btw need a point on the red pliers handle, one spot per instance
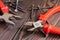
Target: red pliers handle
(3, 8)
(47, 27)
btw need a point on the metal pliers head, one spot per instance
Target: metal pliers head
(37, 24)
(6, 17)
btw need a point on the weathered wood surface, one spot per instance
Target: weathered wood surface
(20, 34)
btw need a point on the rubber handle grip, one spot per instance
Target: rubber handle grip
(49, 13)
(55, 30)
(3, 8)
(52, 29)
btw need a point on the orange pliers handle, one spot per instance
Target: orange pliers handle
(49, 13)
(3, 8)
(47, 27)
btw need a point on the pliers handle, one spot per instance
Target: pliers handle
(47, 27)
(3, 8)
(51, 29)
(49, 13)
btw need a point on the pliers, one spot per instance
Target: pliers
(42, 22)
(5, 13)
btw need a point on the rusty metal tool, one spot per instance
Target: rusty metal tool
(16, 10)
(16, 6)
(33, 12)
(19, 8)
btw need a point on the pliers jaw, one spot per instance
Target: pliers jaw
(6, 17)
(36, 25)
